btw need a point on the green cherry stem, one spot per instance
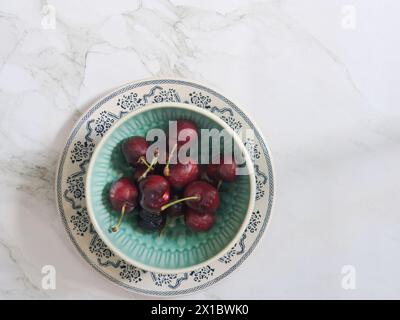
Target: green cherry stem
(166, 169)
(144, 161)
(166, 206)
(149, 168)
(121, 217)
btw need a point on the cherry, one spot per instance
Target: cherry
(176, 209)
(141, 172)
(190, 129)
(148, 215)
(123, 196)
(151, 221)
(144, 169)
(200, 196)
(155, 193)
(152, 225)
(179, 175)
(224, 170)
(212, 172)
(134, 150)
(204, 196)
(199, 222)
(123, 193)
(227, 171)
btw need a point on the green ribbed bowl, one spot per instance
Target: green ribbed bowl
(177, 249)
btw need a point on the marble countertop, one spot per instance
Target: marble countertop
(322, 79)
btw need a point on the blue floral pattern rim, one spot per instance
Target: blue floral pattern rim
(70, 185)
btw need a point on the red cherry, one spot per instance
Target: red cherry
(151, 221)
(123, 192)
(199, 222)
(140, 170)
(134, 150)
(212, 171)
(176, 209)
(188, 129)
(225, 170)
(205, 196)
(123, 196)
(155, 193)
(180, 175)
(153, 225)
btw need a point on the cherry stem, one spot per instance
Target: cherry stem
(166, 206)
(219, 184)
(149, 168)
(144, 161)
(166, 169)
(121, 217)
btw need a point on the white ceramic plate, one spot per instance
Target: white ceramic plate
(72, 172)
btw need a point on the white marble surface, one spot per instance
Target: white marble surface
(326, 99)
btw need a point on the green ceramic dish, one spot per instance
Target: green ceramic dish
(177, 249)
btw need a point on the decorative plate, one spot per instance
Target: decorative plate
(71, 174)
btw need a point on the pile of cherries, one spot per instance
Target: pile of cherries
(174, 190)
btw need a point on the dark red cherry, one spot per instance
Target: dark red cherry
(199, 222)
(123, 196)
(225, 170)
(180, 175)
(152, 225)
(134, 150)
(123, 193)
(149, 216)
(213, 172)
(151, 221)
(205, 196)
(177, 209)
(155, 193)
(140, 171)
(188, 129)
